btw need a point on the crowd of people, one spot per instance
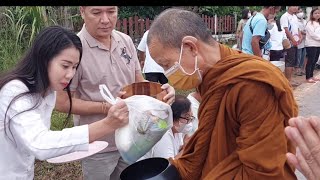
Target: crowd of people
(290, 37)
(218, 131)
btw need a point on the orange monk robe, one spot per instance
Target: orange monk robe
(246, 104)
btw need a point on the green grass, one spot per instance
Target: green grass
(58, 119)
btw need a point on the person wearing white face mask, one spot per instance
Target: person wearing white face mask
(171, 142)
(246, 14)
(301, 52)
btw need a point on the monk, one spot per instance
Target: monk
(246, 102)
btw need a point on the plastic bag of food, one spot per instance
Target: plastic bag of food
(149, 120)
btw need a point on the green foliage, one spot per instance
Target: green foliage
(12, 37)
(141, 11)
(20, 25)
(226, 10)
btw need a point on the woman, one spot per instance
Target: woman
(171, 142)
(277, 35)
(301, 52)
(245, 16)
(27, 98)
(312, 44)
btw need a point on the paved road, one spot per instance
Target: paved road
(308, 98)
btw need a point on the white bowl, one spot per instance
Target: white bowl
(279, 64)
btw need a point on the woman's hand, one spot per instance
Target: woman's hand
(118, 115)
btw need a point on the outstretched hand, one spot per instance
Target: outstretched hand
(305, 134)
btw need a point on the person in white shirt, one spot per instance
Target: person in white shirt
(172, 141)
(277, 35)
(301, 52)
(195, 100)
(27, 99)
(152, 71)
(312, 44)
(289, 22)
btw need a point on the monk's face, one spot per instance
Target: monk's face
(167, 56)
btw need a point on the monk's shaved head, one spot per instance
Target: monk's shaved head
(173, 24)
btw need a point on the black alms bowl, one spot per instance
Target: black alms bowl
(151, 169)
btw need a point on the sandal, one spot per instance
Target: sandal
(315, 79)
(311, 80)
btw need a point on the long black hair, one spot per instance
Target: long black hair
(181, 105)
(32, 70)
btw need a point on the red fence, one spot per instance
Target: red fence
(135, 26)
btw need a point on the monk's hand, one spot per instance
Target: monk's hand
(121, 94)
(306, 136)
(169, 98)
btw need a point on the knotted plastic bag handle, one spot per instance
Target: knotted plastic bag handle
(108, 97)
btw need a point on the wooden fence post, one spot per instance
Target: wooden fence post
(136, 27)
(147, 24)
(119, 25)
(130, 27)
(141, 21)
(125, 25)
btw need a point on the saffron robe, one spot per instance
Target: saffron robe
(246, 104)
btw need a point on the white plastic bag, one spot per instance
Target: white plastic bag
(149, 120)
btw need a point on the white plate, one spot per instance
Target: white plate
(94, 148)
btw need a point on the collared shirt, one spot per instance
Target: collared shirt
(115, 67)
(29, 135)
(167, 147)
(290, 21)
(150, 66)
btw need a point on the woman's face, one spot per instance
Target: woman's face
(62, 68)
(184, 123)
(316, 15)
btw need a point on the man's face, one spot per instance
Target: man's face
(273, 10)
(99, 20)
(166, 57)
(293, 9)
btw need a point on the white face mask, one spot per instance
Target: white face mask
(270, 26)
(184, 128)
(300, 15)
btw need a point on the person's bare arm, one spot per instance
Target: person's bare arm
(79, 107)
(139, 77)
(290, 37)
(142, 58)
(117, 117)
(255, 45)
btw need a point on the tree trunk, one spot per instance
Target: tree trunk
(67, 18)
(64, 17)
(2, 10)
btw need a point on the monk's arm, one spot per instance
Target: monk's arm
(261, 143)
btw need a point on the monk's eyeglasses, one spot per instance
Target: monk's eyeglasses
(189, 119)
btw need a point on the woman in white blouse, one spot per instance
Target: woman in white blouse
(172, 141)
(312, 44)
(27, 99)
